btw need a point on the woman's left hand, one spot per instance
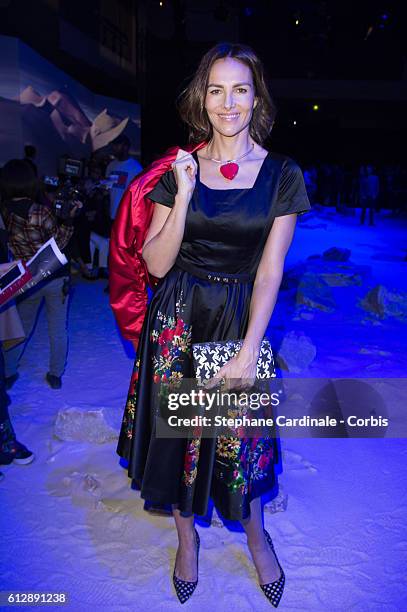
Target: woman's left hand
(238, 373)
(5, 267)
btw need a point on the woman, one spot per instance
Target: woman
(234, 222)
(30, 224)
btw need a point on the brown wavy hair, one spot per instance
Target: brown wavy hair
(191, 101)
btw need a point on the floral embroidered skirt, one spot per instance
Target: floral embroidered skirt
(188, 471)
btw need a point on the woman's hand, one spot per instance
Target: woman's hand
(184, 168)
(239, 372)
(5, 267)
(165, 233)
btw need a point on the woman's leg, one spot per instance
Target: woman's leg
(28, 310)
(262, 555)
(57, 314)
(185, 560)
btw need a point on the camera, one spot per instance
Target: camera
(70, 167)
(65, 198)
(103, 184)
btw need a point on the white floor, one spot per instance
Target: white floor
(70, 522)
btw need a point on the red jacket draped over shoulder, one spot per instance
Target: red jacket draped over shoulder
(128, 274)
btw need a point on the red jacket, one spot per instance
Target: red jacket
(128, 274)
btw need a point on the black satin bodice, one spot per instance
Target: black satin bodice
(226, 229)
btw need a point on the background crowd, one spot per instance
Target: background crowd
(348, 188)
(76, 208)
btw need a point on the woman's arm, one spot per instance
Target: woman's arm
(43, 225)
(264, 296)
(268, 281)
(164, 236)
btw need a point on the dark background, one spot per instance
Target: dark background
(347, 57)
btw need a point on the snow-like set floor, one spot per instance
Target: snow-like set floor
(70, 522)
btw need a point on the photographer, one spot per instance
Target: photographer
(59, 194)
(30, 224)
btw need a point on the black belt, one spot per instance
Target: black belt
(216, 277)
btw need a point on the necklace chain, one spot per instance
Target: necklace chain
(230, 161)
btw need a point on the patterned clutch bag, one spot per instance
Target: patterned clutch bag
(209, 357)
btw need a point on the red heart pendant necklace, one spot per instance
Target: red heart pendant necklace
(230, 168)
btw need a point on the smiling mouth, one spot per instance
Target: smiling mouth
(230, 117)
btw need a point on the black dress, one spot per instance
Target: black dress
(205, 296)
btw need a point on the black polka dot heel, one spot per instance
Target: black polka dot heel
(185, 588)
(274, 590)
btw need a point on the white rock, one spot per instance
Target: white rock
(296, 352)
(78, 424)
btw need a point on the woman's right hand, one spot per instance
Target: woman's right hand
(185, 168)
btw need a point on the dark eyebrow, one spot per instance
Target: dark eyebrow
(236, 85)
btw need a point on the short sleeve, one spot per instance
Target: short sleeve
(292, 193)
(165, 190)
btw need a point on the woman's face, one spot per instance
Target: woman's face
(230, 96)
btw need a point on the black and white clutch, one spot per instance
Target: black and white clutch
(209, 357)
